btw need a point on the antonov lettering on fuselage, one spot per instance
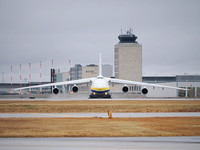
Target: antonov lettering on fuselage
(100, 85)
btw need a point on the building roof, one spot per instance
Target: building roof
(127, 38)
(177, 78)
(159, 79)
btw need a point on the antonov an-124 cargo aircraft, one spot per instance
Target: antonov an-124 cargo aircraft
(100, 85)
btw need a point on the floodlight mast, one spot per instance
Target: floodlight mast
(30, 78)
(69, 74)
(52, 78)
(40, 76)
(11, 78)
(20, 77)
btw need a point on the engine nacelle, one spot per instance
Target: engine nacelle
(75, 89)
(55, 90)
(125, 89)
(144, 91)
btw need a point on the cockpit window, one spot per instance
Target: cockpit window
(99, 77)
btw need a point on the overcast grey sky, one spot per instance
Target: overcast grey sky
(41, 30)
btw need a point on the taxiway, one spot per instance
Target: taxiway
(106, 143)
(100, 115)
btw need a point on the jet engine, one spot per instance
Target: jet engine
(75, 89)
(125, 88)
(144, 91)
(55, 90)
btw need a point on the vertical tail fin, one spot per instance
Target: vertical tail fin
(100, 65)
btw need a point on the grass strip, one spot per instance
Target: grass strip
(99, 127)
(89, 106)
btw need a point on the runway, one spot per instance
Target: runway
(93, 143)
(63, 98)
(102, 115)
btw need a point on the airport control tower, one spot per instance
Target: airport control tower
(128, 58)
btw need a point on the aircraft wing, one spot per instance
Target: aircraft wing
(58, 84)
(111, 80)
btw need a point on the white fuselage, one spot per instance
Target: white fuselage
(100, 85)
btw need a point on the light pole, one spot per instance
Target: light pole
(2, 77)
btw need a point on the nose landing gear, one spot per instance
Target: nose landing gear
(100, 95)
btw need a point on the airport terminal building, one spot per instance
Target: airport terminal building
(191, 82)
